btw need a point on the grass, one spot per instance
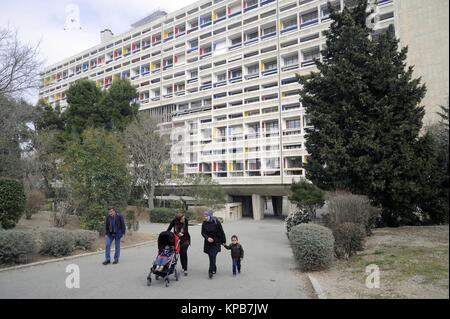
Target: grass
(413, 263)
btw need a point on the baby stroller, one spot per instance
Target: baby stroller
(165, 263)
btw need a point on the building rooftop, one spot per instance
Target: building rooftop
(151, 17)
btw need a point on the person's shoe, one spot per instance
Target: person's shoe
(210, 275)
(234, 274)
(106, 262)
(239, 271)
(185, 272)
(116, 261)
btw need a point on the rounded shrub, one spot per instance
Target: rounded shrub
(296, 218)
(16, 246)
(57, 242)
(162, 215)
(85, 239)
(349, 238)
(12, 202)
(312, 245)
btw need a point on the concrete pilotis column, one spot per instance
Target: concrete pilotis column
(258, 207)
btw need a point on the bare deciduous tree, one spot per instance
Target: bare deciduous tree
(149, 152)
(19, 64)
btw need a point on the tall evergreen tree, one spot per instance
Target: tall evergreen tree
(89, 107)
(364, 107)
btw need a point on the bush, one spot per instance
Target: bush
(12, 202)
(162, 215)
(296, 218)
(351, 208)
(93, 218)
(35, 200)
(57, 242)
(85, 239)
(349, 238)
(307, 196)
(313, 246)
(15, 246)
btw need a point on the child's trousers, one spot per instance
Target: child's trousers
(236, 265)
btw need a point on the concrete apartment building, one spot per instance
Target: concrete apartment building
(220, 77)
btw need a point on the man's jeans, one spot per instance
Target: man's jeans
(109, 240)
(236, 264)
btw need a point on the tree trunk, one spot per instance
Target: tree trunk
(151, 196)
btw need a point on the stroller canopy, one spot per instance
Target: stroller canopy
(166, 238)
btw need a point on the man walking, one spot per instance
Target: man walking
(115, 229)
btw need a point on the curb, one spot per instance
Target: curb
(317, 288)
(43, 262)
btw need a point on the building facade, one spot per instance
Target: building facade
(220, 75)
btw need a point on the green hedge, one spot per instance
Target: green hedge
(12, 202)
(85, 239)
(313, 246)
(57, 242)
(166, 215)
(15, 246)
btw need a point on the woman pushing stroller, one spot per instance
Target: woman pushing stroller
(180, 228)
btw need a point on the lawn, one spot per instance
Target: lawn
(413, 263)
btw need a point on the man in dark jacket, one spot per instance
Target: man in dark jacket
(115, 229)
(214, 236)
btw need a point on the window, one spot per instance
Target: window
(236, 41)
(293, 124)
(221, 77)
(270, 65)
(294, 162)
(273, 163)
(292, 146)
(194, 74)
(269, 30)
(253, 69)
(236, 73)
(308, 18)
(291, 60)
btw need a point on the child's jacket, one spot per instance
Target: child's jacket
(236, 250)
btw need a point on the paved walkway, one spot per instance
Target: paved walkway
(268, 270)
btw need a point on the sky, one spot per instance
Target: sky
(43, 21)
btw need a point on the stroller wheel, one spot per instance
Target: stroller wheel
(149, 281)
(167, 282)
(176, 274)
(156, 277)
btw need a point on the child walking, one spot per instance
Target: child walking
(237, 253)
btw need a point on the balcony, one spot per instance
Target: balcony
(205, 24)
(309, 23)
(235, 46)
(192, 50)
(268, 35)
(236, 79)
(192, 29)
(270, 71)
(254, 6)
(309, 62)
(235, 14)
(220, 19)
(220, 83)
(248, 42)
(290, 67)
(290, 28)
(252, 76)
(266, 2)
(206, 86)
